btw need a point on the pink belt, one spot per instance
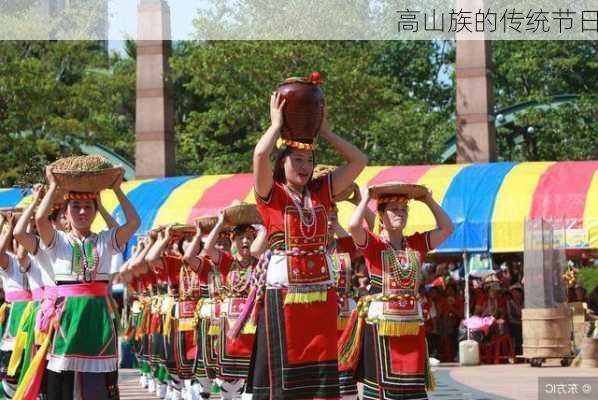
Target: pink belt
(18, 295)
(48, 307)
(95, 289)
(38, 294)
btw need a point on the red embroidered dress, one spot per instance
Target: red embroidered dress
(296, 356)
(234, 355)
(386, 344)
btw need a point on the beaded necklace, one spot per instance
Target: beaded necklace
(404, 274)
(307, 220)
(85, 258)
(187, 282)
(240, 276)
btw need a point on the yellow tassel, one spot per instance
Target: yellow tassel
(214, 330)
(40, 337)
(167, 307)
(429, 378)
(306, 298)
(34, 367)
(20, 341)
(186, 324)
(249, 329)
(3, 312)
(398, 328)
(341, 323)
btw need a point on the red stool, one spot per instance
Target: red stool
(486, 353)
(502, 347)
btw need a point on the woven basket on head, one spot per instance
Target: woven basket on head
(408, 190)
(86, 174)
(5, 211)
(58, 199)
(207, 223)
(242, 214)
(347, 194)
(181, 231)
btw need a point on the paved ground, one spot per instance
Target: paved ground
(485, 382)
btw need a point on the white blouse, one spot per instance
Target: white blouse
(93, 259)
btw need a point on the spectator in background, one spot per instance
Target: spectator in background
(451, 314)
(505, 276)
(516, 272)
(579, 293)
(514, 307)
(433, 305)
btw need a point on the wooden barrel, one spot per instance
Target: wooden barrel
(589, 353)
(546, 332)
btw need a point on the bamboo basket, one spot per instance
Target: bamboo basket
(408, 190)
(206, 223)
(85, 174)
(181, 231)
(349, 193)
(87, 181)
(242, 214)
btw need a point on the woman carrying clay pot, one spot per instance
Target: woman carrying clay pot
(295, 303)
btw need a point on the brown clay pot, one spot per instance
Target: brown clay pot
(303, 111)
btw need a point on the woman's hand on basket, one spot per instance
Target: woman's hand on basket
(50, 176)
(277, 103)
(119, 180)
(198, 229)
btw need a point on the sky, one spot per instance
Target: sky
(123, 19)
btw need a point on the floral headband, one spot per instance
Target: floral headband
(80, 196)
(403, 200)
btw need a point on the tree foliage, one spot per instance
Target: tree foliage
(54, 95)
(394, 99)
(393, 117)
(538, 70)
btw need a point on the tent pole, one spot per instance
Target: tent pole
(466, 269)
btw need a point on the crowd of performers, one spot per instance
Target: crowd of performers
(59, 326)
(268, 301)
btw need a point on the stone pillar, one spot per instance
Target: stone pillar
(476, 135)
(154, 124)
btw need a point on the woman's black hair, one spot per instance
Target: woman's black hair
(240, 229)
(279, 165)
(179, 245)
(381, 207)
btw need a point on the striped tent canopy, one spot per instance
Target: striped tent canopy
(488, 203)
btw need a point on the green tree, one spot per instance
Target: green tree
(370, 103)
(54, 95)
(537, 70)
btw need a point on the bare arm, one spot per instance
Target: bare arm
(260, 244)
(340, 231)
(370, 217)
(210, 248)
(443, 221)
(138, 254)
(262, 168)
(23, 235)
(343, 176)
(44, 227)
(5, 240)
(132, 221)
(191, 256)
(356, 229)
(110, 222)
(23, 259)
(154, 255)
